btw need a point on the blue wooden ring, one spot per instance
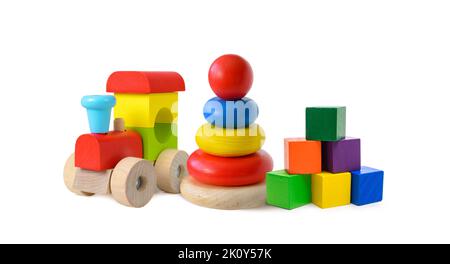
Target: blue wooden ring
(230, 114)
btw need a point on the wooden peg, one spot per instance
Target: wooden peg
(119, 124)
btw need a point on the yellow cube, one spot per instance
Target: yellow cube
(331, 189)
(144, 110)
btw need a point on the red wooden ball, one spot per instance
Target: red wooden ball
(230, 77)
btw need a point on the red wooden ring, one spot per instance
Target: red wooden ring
(229, 171)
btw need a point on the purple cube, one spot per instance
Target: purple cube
(341, 156)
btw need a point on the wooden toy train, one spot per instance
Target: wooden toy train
(141, 152)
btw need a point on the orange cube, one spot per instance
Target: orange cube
(302, 156)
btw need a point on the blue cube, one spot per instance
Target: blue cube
(367, 186)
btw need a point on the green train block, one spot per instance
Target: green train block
(156, 139)
(325, 123)
(288, 191)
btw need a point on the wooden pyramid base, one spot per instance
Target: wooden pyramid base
(225, 198)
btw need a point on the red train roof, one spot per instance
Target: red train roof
(144, 82)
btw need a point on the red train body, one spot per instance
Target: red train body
(99, 152)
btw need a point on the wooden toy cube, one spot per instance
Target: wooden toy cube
(367, 186)
(302, 156)
(157, 139)
(325, 123)
(331, 190)
(341, 156)
(145, 110)
(288, 191)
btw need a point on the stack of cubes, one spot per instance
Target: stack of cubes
(230, 142)
(148, 103)
(325, 167)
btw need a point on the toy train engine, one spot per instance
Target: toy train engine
(141, 152)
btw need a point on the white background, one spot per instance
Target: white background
(387, 61)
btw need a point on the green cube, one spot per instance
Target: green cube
(288, 191)
(156, 139)
(325, 123)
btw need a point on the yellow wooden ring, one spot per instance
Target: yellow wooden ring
(227, 142)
